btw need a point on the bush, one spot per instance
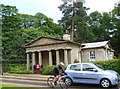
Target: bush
(19, 69)
(110, 64)
(48, 70)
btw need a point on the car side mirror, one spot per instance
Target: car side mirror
(95, 70)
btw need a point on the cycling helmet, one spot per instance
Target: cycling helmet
(61, 63)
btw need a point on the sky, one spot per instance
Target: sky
(50, 7)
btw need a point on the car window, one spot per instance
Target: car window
(76, 67)
(87, 67)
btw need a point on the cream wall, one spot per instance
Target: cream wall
(75, 53)
(99, 53)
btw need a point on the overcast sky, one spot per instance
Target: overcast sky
(50, 7)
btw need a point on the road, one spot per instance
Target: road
(23, 82)
(33, 83)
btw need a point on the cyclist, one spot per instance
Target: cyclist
(57, 72)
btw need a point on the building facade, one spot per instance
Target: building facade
(97, 51)
(48, 51)
(51, 51)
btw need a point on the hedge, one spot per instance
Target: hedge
(19, 69)
(48, 70)
(106, 64)
(110, 64)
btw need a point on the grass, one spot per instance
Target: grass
(8, 86)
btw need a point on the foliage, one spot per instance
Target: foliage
(19, 29)
(48, 70)
(19, 69)
(110, 64)
(74, 16)
(93, 27)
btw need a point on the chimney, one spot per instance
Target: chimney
(66, 35)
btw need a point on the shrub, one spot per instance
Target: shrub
(48, 70)
(19, 69)
(110, 64)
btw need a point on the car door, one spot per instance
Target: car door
(88, 75)
(75, 72)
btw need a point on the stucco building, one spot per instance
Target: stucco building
(96, 51)
(51, 51)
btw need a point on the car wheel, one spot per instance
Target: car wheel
(105, 83)
(68, 81)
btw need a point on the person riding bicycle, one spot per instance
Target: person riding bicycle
(57, 72)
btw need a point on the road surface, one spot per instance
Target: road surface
(33, 83)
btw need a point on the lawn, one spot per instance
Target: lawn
(7, 86)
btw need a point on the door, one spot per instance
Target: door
(88, 75)
(75, 72)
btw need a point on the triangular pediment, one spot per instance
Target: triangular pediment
(44, 41)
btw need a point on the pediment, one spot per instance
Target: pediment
(44, 41)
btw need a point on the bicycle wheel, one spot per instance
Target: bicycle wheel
(49, 82)
(62, 83)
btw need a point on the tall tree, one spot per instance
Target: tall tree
(10, 24)
(18, 29)
(100, 25)
(116, 31)
(74, 17)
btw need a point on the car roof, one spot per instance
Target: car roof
(82, 63)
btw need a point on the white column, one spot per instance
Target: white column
(40, 58)
(50, 58)
(33, 60)
(28, 61)
(65, 57)
(57, 57)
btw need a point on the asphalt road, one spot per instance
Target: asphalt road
(31, 83)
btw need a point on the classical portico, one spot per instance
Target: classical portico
(48, 51)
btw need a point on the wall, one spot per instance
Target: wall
(75, 53)
(99, 53)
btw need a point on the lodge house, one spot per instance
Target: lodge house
(51, 51)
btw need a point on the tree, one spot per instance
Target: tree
(115, 41)
(19, 29)
(74, 17)
(100, 25)
(10, 24)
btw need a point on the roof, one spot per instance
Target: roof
(94, 45)
(54, 41)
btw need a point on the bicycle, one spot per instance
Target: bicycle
(60, 82)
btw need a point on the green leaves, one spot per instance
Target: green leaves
(19, 29)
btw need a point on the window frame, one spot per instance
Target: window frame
(92, 55)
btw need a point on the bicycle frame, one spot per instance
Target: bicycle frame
(60, 82)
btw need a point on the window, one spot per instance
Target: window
(87, 67)
(92, 54)
(75, 67)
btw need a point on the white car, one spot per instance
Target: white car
(90, 73)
